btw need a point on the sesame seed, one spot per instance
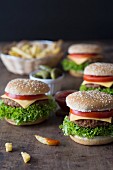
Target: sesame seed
(99, 69)
(26, 87)
(91, 100)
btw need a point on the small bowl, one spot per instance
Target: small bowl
(60, 98)
(54, 84)
(23, 66)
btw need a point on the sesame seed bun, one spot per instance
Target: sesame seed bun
(99, 69)
(100, 140)
(40, 120)
(76, 73)
(26, 87)
(84, 48)
(87, 101)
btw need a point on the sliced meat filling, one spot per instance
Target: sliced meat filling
(12, 103)
(89, 123)
(94, 86)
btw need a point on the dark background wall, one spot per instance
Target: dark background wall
(55, 19)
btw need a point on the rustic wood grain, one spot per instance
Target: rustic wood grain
(67, 156)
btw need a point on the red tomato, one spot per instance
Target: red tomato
(24, 97)
(98, 114)
(98, 78)
(82, 55)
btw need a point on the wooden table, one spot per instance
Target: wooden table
(68, 156)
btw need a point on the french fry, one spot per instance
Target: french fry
(29, 50)
(59, 43)
(21, 44)
(35, 50)
(9, 147)
(47, 141)
(13, 53)
(26, 157)
(20, 52)
(24, 47)
(56, 50)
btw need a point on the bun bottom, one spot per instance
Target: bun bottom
(100, 140)
(75, 73)
(12, 122)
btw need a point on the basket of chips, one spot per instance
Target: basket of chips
(25, 56)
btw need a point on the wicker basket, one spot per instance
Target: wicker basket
(25, 66)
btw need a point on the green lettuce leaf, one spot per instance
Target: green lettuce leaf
(71, 65)
(70, 128)
(106, 89)
(29, 114)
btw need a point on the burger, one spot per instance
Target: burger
(25, 102)
(79, 56)
(98, 76)
(90, 118)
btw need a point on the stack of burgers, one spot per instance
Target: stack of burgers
(90, 118)
(79, 56)
(91, 109)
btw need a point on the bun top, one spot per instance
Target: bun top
(26, 87)
(87, 101)
(99, 69)
(84, 48)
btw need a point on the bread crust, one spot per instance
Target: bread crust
(100, 140)
(75, 73)
(99, 69)
(87, 101)
(85, 48)
(12, 122)
(26, 87)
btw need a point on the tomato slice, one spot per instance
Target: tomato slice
(83, 55)
(24, 97)
(98, 78)
(94, 114)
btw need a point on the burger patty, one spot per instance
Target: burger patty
(89, 123)
(95, 58)
(12, 103)
(93, 86)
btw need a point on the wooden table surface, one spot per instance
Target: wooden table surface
(69, 155)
